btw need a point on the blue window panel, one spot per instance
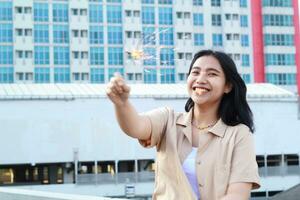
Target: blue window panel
(167, 75)
(216, 20)
(111, 72)
(6, 74)
(60, 34)
(150, 54)
(61, 56)
(165, 16)
(199, 39)
(277, 3)
(148, 1)
(279, 39)
(115, 56)
(96, 34)
(243, 20)
(246, 78)
(150, 75)
(6, 55)
(280, 59)
(41, 33)
(114, 1)
(41, 12)
(114, 14)
(96, 13)
(148, 15)
(197, 2)
(149, 36)
(97, 75)
(278, 20)
(166, 36)
(281, 78)
(62, 75)
(216, 3)
(198, 19)
(245, 60)
(6, 33)
(6, 11)
(41, 55)
(166, 56)
(97, 56)
(115, 35)
(99, 1)
(169, 2)
(243, 3)
(60, 12)
(217, 39)
(42, 75)
(244, 40)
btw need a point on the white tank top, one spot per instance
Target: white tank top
(189, 168)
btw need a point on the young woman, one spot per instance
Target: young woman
(206, 152)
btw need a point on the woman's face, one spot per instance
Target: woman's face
(206, 83)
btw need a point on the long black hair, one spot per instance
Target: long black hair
(233, 108)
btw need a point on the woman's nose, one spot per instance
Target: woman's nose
(201, 78)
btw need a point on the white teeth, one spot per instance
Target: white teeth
(200, 91)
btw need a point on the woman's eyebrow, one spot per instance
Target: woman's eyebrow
(207, 69)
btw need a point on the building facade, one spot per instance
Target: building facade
(148, 41)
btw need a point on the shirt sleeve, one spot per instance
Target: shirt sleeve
(244, 167)
(158, 119)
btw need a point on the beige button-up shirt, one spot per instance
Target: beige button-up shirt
(227, 156)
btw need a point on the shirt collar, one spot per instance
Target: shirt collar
(186, 120)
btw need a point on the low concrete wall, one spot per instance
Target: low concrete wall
(21, 194)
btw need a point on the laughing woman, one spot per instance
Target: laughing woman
(206, 152)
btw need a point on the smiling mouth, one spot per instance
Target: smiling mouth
(201, 91)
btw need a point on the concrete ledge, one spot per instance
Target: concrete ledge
(21, 194)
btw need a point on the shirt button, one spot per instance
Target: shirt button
(199, 162)
(200, 185)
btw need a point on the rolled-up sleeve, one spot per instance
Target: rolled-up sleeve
(158, 119)
(243, 166)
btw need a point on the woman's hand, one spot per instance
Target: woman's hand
(117, 90)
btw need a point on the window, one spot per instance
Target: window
(6, 11)
(281, 78)
(245, 60)
(217, 39)
(148, 1)
(198, 19)
(41, 75)
(216, 20)
(149, 34)
(150, 76)
(97, 56)
(166, 36)
(114, 34)
(148, 15)
(62, 75)
(60, 13)
(6, 32)
(216, 3)
(165, 1)
(150, 54)
(280, 59)
(61, 56)
(199, 39)
(279, 39)
(197, 2)
(114, 14)
(165, 16)
(96, 34)
(6, 74)
(167, 75)
(114, 1)
(243, 20)
(111, 72)
(60, 34)
(96, 13)
(115, 56)
(278, 20)
(243, 3)
(41, 55)
(277, 3)
(166, 56)
(41, 12)
(244, 40)
(97, 75)
(246, 78)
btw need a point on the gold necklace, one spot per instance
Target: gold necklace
(205, 127)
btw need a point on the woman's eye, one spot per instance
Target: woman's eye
(212, 74)
(195, 72)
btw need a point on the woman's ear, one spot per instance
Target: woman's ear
(228, 88)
